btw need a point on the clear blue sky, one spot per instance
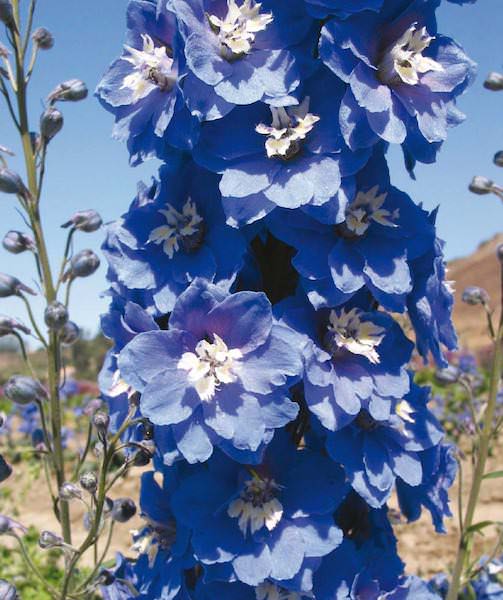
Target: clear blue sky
(87, 169)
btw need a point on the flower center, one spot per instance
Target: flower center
(365, 421)
(236, 33)
(270, 591)
(347, 332)
(153, 538)
(210, 365)
(403, 61)
(257, 506)
(367, 207)
(184, 230)
(290, 125)
(152, 68)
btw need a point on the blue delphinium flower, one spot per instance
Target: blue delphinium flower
(368, 552)
(119, 583)
(121, 323)
(174, 232)
(402, 77)
(337, 257)
(265, 523)
(439, 467)
(288, 155)
(220, 371)
(218, 590)
(341, 8)
(163, 543)
(142, 87)
(239, 51)
(429, 305)
(353, 356)
(377, 448)
(5, 469)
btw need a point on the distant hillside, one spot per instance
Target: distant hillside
(481, 268)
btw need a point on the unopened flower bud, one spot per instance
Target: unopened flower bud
(9, 326)
(8, 525)
(4, 525)
(85, 220)
(448, 375)
(48, 539)
(11, 182)
(22, 389)
(8, 591)
(494, 82)
(83, 264)
(101, 421)
(51, 123)
(498, 159)
(69, 491)
(5, 150)
(481, 185)
(5, 469)
(16, 242)
(474, 295)
(123, 510)
(144, 454)
(69, 334)
(11, 286)
(148, 430)
(108, 506)
(43, 38)
(7, 14)
(72, 90)
(89, 481)
(92, 406)
(37, 440)
(105, 577)
(55, 315)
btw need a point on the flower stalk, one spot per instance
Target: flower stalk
(486, 434)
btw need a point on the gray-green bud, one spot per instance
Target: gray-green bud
(56, 315)
(43, 38)
(51, 123)
(72, 90)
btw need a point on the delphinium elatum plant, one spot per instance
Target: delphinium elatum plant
(257, 362)
(254, 285)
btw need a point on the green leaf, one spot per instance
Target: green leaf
(493, 475)
(477, 527)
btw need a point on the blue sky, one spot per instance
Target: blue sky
(87, 169)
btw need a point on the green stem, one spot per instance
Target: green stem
(47, 281)
(85, 452)
(33, 567)
(482, 454)
(100, 501)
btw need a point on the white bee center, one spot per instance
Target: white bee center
(237, 31)
(210, 365)
(347, 331)
(290, 125)
(182, 230)
(405, 411)
(257, 506)
(270, 591)
(152, 69)
(403, 61)
(367, 207)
